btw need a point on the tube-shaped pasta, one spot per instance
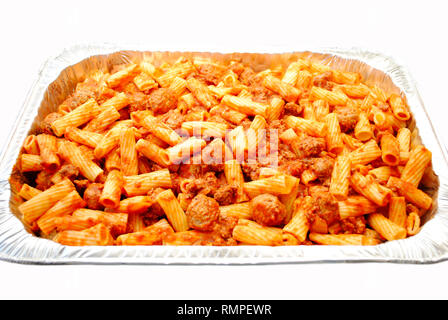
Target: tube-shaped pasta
(234, 176)
(292, 73)
(135, 205)
(216, 152)
(275, 108)
(307, 176)
(113, 161)
(30, 145)
(140, 184)
(388, 229)
(366, 153)
(108, 116)
(171, 206)
(310, 127)
(228, 114)
(201, 92)
(333, 98)
(333, 137)
(205, 128)
(71, 153)
(342, 239)
(154, 234)
(290, 138)
(355, 91)
(116, 222)
(90, 139)
(397, 211)
(110, 196)
(239, 210)
(299, 224)
(237, 141)
(288, 200)
(304, 79)
(412, 224)
(97, 235)
(413, 171)
(355, 206)
(153, 152)
(75, 118)
(275, 185)
(340, 182)
(182, 152)
(363, 129)
(245, 105)
(321, 109)
(117, 78)
(285, 90)
(161, 131)
(145, 82)
(351, 142)
(390, 150)
(250, 232)
(110, 140)
(410, 192)
(128, 152)
(27, 192)
(119, 101)
(65, 206)
(369, 188)
(38, 205)
(383, 173)
(48, 146)
(30, 162)
(398, 107)
(180, 70)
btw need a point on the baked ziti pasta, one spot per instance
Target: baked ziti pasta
(205, 151)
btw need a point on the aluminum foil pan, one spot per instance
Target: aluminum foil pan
(58, 77)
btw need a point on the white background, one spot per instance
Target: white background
(413, 32)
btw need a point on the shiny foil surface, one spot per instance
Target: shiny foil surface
(60, 74)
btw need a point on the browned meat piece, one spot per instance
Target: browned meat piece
(92, 196)
(49, 119)
(155, 212)
(323, 80)
(162, 100)
(260, 94)
(211, 74)
(202, 213)
(137, 101)
(292, 109)
(206, 184)
(84, 91)
(251, 170)
(293, 168)
(323, 167)
(247, 76)
(225, 194)
(267, 210)
(43, 180)
(285, 153)
(173, 119)
(124, 114)
(347, 117)
(326, 207)
(225, 226)
(310, 146)
(69, 171)
(65, 171)
(353, 225)
(237, 67)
